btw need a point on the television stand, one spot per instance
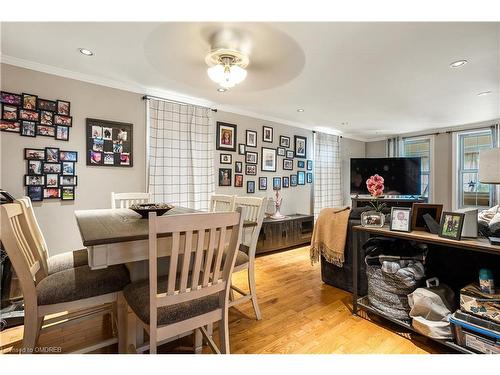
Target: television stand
(389, 200)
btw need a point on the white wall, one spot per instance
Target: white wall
(376, 149)
(349, 148)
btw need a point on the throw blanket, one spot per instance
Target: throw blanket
(329, 235)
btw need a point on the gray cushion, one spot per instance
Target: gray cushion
(81, 282)
(64, 261)
(241, 258)
(137, 296)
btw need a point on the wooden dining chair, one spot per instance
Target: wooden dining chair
(187, 300)
(222, 203)
(125, 200)
(245, 260)
(70, 290)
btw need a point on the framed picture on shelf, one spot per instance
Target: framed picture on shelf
(29, 101)
(225, 159)
(262, 183)
(420, 209)
(225, 176)
(288, 164)
(451, 225)
(284, 141)
(241, 148)
(289, 154)
(250, 187)
(293, 180)
(268, 159)
(251, 170)
(267, 134)
(238, 180)
(400, 219)
(301, 178)
(300, 146)
(251, 157)
(226, 136)
(251, 138)
(286, 182)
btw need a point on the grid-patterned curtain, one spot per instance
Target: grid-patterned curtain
(495, 139)
(327, 183)
(181, 154)
(393, 147)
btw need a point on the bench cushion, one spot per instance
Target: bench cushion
(81, 282)
(70, 259)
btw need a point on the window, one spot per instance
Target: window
(472, 193)
(420, 147)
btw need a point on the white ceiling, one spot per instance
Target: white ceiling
(380, 78)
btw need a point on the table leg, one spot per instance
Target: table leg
(355, 243)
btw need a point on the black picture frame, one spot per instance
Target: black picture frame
(249, 135)
(285, 182)
(45, 190)
(67, 197)
(27, 150)
(10, 98)
(251, 169)
(225, 127)
(293, 180)
(299, 152)
(268, 151)
(51, 168)
(28, 180)
(28, 129)
(444, 218)
(46, 118)
(46, 105)
(37, 171)
(289, 154)
(309, 177)
(406, 211)
(267, 134)
(29, 99)
(300, 164)
(309, 165)
(120, 146)
(49, 183)
(28, 115)
(249, 160)
(250, 187)
(63, 120)
(238, 180)
(418, 212)
(287, 164)
(238, 167)
(52, 151)
(241, 148)
(35, 193)
(64, 171)
(225, 176)
(223, 160)
(12, 110)
(284, 141)
(59, 104)
(10, 126)
(65, 155)
(301, 178)
(62, 181)
(280, 151)
(262, 183)
(276, 183)
(45, 131)
(59, 132)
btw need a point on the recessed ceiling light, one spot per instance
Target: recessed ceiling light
(86, 52)
(484, 93)
(300, 110)
(221, 89)
(458, 63)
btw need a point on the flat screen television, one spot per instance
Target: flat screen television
(401, 175)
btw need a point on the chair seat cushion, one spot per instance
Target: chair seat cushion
(241, 258)
(70, 259)
(137, 296)
(81, 282)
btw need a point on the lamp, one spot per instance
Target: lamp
(227, 67)
(489, 173)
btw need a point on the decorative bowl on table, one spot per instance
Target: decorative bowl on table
(144, 209)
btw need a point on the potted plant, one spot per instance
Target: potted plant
(375, 217)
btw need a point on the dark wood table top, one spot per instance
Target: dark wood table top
(106, 226)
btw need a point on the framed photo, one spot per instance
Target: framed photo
(51, 155)
(309, 177)
(251, 138)
(280, 151)
(309, 165)
(34, 154)
(35, 167)
(25, 114)
(51, 193)
(68, 168)
(68, 155)
(267, 134)
(300, 146)
(29, 101)
(63, 107)
(68, 180)
(52, 168)
(238, 180)
(10, 98)
(286, 182)
(226, 136)
(293, 180)
(225, 176)
(250, 187)
(63, 120)
(9, 112)
(38, 180)
(62, 133)
(288, 164)
(226, 159)
(289, 154)
(241, 148)
(28, 129)
(301, 178)
(400, 219)
(47, 105)
(107, 134)
(46, 118)
(284, 141)
(418, 210)
(238, 167)
(52, 180)
(10, 126)
(35, 193)
(46, 131)
(251, 170)
(276, 183)
(451, 225)
(300, 164)
(262, 183)
(268, 160)
(251, 157)
(109, 143)
(96, 158)
(68, 193)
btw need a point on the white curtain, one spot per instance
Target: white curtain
(181, 154)
(495, 137)
(393, 147)
(327, 176)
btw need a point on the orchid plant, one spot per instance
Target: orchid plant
(375, 185)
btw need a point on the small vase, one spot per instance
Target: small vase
(372, 219)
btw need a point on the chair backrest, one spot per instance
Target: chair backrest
(198, 243)
(33, 233)
(125, 200)
(222, 203)
(21, 254)
(255, 209)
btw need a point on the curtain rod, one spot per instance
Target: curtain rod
(145, 97)
(450, 131)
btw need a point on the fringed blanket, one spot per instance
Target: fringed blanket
(329, 235)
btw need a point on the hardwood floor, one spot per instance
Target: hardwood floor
(300, 315)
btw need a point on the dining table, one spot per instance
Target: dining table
(120, 236)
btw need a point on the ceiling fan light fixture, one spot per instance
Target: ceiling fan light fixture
(227, 68)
